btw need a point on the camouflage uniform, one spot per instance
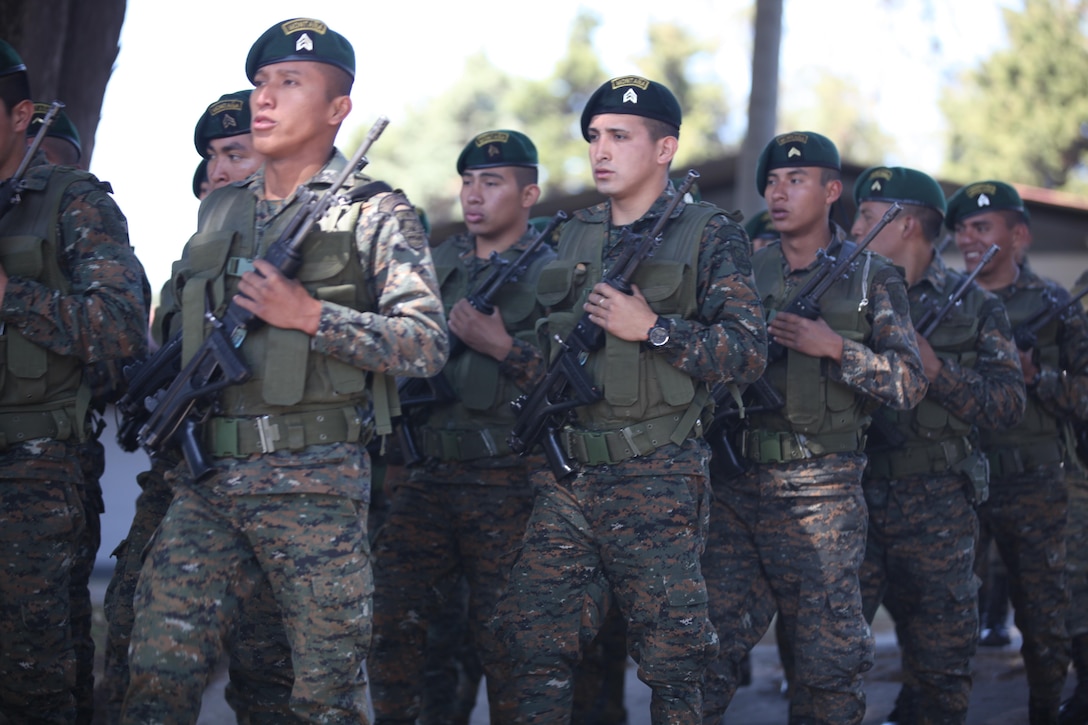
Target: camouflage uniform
(919, 559)
(296, 515)
(96, 313)
(633, 530)
(462, 512)
(789, 534)
(1026, 511)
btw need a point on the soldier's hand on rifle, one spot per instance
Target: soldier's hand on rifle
(486, 334)
(279, 301)
(930, 361)
(812, 337)
(1027, 364)
(627, 317)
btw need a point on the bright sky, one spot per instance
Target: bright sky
(173, 63)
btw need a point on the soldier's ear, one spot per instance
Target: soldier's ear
(21, 113)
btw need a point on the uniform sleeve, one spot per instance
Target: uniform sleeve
(888, 367)
(1064, 391)
(727, 339)
(990, 393)
(103, 316)
(406, 335)
(524, 365)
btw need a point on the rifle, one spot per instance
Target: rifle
(1026, 335)
(169, 410)
(886, 436)
(807, 301)
(11, 189)
(566, 386)
(436, 390)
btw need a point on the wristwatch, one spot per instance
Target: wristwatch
(658, 334)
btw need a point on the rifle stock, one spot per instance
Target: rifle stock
(168, 413)
(1026, 335)
(566, 385)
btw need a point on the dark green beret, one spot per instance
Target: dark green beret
(200, 176)
(896, 183)
(761, 226)
(799, 148)
(981, 197)
(229, 116)
(10, 62)
(633, 96)
(301, 39)
(497, 148)
(62, 126)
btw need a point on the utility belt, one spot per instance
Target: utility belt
(463, 445)
(603, 447)
(1014, 460)
(242, 437)
(19, 426)
(930, 458)
(772, 446)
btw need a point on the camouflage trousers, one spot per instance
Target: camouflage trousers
(790, 538)
(260, 671)
(631, 533)
(93, 459)
(437, 531)
(41, 530)
(919, 562)
(1076, 547)
(210, 555)
(1025, 516)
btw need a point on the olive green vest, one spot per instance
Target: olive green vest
(41, 395)
(829, 414)
(637, 384)
(483, 392)
(287, 377)
(1036, 440)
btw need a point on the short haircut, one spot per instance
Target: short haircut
(828, 175)
(930, 220)
(338, 82)
(14, 89)
(525, 175)
(660, 129)
(1013, 217)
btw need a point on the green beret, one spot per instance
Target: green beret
(896, 183)
(633, 96)
(761, 226)
(981, 197)
(497, 148)
(229, 116)
(301, 39)
(10, 62)
(200, 176)
(799, 148)
(62, 126)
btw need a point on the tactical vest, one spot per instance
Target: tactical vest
(1036, 440)
(478, 423)
(828, 415)
(637, 384)
(932, 434)
(304, 393)
(41, 395)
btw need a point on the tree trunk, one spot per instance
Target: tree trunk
(69, 47)
(762, 104)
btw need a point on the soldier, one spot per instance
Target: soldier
(1026, 511)
(628, 525)
(760, 230)
(222, 136)
(465, 508)
(288, 494)
(201, 186)
(61, 144)
(926, 472)
(788, 535)
(71, 297)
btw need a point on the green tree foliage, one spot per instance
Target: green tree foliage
(429, 137)
(1022, 115)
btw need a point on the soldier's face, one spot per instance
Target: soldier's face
(979, 232)
(888, 242)
(231, 159)
(13, 123)
(491, 201)
(293, 109)
(798, 199)
(625, 159)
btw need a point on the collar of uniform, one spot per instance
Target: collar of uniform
(936, 273)
(323, 178)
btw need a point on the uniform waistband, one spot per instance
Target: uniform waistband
(242, 437)
(937, 457)
(1010, 461)
(20, 426)
(463, 445)
(602, 447)
(772, 446)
